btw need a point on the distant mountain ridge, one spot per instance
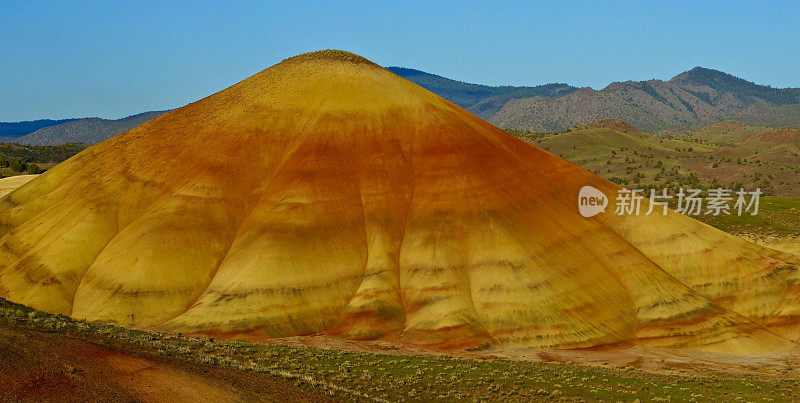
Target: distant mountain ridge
(689, 101)
(708, 81)
(87, 130)
(482, 100)
(12, 130)
(696, 98)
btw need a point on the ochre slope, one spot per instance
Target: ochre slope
(327, 195)
(8, 184)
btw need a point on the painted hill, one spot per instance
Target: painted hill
(87, 130)
(482, 100)
(779, 136)
(690, 100)
(776, 152)
(326, 194)
(9, 184)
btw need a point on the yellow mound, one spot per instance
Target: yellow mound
(326, 194)
(7, 185)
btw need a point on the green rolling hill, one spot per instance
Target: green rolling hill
(728, 154)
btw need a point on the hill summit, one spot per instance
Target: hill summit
(332, 55)
(328, 195)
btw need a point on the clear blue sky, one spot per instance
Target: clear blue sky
(113, 59)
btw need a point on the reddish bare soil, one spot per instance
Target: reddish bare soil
(37, 365)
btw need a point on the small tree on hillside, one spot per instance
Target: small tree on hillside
(34, 169)
(17, 165)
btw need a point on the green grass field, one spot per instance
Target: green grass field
(621, 153)
(777, 216)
